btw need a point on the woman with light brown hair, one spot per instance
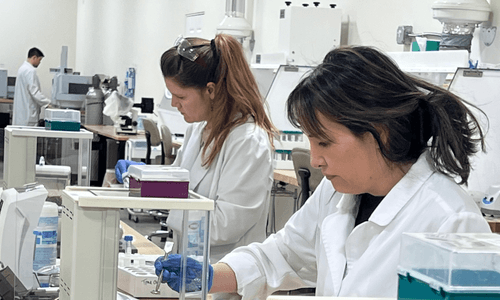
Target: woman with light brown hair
(228, 148)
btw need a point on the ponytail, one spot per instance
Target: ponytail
(454, 131)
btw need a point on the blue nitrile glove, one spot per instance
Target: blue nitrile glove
(172, 273)
(122, 167)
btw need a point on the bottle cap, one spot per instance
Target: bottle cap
(128, 238)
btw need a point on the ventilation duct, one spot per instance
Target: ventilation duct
(234, 22)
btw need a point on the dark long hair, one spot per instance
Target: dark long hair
(364, 90)
(237, 95)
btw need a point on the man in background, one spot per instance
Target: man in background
(28, 97)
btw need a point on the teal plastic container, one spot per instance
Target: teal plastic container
(62, 119)
(65, 126)
(473, 281)
(449, 266)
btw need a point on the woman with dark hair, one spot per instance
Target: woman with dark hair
(228, 149)
(390, 146)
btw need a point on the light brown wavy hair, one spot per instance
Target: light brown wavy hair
(237, 95)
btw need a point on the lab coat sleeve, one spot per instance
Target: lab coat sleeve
(285, 260)
(244, 186)
(33, 87)
(465, 222)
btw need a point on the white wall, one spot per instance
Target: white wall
(372, 23)
(108, 36)
(47, 25)
(113, 35)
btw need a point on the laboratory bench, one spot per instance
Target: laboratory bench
(286, 176)
(8, 101)
(109, 155)
(6, 108)
(143, 245)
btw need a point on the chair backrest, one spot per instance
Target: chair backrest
(166, 138)
(301, 158)
(153, 139)
(151, 127)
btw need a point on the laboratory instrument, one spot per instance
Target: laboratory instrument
(490, 204)
(140, 278)
(235, 24)
(307, 34)
(52, 177)
(168, 248)
(131, 122)
(449, 266)
(436, 67)
(158, 181)
(128, 122)
(89, 242)
(7, 85)
(459, 19)
(135, 149)
(68, 88)
(62, 119)
(3, 83)
(285, 80)
(19, 214)
(481, 87)
(20, 153)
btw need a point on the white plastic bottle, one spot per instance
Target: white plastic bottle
(46, 237)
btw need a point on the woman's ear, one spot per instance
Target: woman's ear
(211, 90)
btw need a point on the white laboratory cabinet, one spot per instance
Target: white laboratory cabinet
(21, 145)
(90, 238)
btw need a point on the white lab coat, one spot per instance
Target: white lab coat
(319, 245)
(239, 180)
(28, 97)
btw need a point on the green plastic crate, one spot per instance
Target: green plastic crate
(64, 126)
(414, 288)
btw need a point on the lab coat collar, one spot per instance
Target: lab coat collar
(335, 230)
(28, 65)
(403, 191)
(348, 204)
(192, 157)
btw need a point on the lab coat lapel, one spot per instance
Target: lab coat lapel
(334, 232)
(192, 159)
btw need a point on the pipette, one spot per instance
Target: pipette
(168, 248)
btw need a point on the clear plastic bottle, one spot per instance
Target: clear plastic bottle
(45, 253)
(45, 247)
